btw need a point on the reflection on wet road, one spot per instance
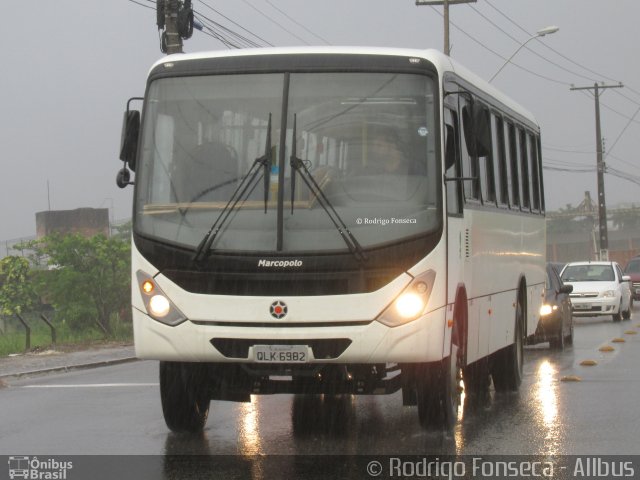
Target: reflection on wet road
(593, 414)
(548, 415)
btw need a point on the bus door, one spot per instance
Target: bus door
(454, 199)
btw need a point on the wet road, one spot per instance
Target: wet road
(116, 411)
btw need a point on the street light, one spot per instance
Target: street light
(540, 33)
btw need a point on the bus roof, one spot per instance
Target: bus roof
(442, 62)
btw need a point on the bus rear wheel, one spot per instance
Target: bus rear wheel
(184, 394)
(438, 392)
(507, 363)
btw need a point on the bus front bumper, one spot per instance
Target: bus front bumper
(368, 342)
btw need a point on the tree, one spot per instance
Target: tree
(17, 293)
(626, 220)
(88, 278)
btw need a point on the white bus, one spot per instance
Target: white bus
(332, 221)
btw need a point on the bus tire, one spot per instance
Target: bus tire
(477, 380)
(184, 395)
(438, 393)
(507, 363)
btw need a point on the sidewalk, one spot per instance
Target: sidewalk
(51, 360)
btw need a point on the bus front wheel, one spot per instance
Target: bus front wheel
(184, 394)
(438, 392)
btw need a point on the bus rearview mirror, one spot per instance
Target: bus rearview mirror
(129, 137)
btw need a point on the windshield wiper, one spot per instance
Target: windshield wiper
(298, 165)
(243, 190)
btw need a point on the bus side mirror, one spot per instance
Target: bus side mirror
(129, 137)
(123, 178)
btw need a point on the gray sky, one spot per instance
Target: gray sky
(69, 67)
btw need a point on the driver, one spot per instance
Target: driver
(385, 154)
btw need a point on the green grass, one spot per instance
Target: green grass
(14, 340)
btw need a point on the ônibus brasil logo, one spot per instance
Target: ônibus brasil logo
(279, 263)
(34, 468)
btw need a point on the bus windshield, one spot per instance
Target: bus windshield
(368, 140)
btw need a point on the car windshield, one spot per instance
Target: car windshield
(633, 267)
(588, 273)
(369, 141)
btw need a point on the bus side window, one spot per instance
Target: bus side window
(499, 160)
(540, 176)
(468, 153)
(511, 151)
(525, 178)
(535, 174)
(452, 162)
(483, 133)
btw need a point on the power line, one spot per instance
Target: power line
(298, 23)
(526, 47)
(556, 149)
(500, 56)
(622, 132)
(488, 2)
(561, 169)
(225, 34)
(623, 175)
(234, 23)
(634, 165)
(216, 30)
(274, 21)
(143, 5)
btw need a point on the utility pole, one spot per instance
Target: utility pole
(171, 35)
(602, 207)
(445, 4)
(175, 17)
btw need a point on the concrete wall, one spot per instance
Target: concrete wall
(575, 247)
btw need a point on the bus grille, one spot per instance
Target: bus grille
(280, 284)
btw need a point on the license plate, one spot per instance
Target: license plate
(581, 306)
(281, 353)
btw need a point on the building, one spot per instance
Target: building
(85, 221)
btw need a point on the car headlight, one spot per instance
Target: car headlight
(547, 309)
(608, 293)
(156, 302)
(411, 302)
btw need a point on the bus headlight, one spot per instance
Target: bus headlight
(159, 306)
(156, 302)
(411, 302)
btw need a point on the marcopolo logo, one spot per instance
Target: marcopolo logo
(38, 469)
(263, 263)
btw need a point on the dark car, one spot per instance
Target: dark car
(633, 270)
(556, 320)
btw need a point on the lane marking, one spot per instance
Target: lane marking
(93, 385)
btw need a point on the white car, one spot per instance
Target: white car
(599, 288)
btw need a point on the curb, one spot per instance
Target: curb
(67, 368)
